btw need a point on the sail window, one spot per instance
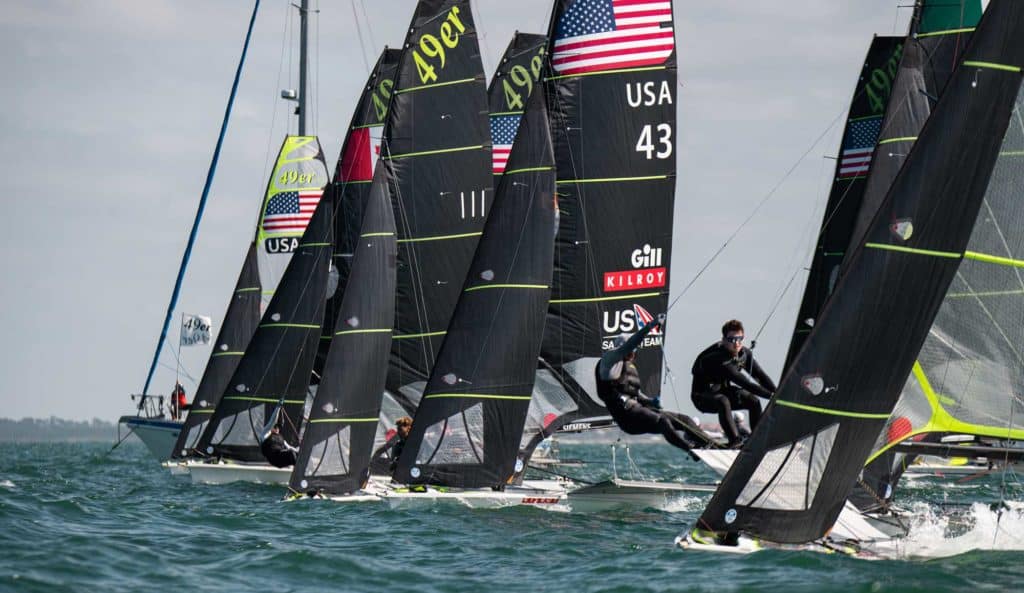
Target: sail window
(240, 429)
(330, 456)
(549, 401)
(788, 476)
(456, 440)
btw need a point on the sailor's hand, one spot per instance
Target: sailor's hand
(656, 403)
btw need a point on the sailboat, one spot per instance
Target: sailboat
(290, 198)
(790, 483)
(335, 452)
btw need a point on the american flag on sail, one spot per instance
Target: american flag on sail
(594, 35)
(290, 211)
(503, 133)
(861, 137)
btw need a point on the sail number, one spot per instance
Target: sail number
(469, 205)
(879, 82)
(380, 98)
(519, 78)
(646, 145)
(434, 48)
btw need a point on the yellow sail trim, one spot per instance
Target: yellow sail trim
(943, 421)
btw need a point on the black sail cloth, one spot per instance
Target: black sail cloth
(240, 322)
(614, 135)
(467, 429)
(334, 457)
(517, 74)
(279, 359)
(863, 124)
(350, 186)
(437, 151)
(791, 480)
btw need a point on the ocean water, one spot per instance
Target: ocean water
(74, 519)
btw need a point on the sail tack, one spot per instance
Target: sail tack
(791, 480)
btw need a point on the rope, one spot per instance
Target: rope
(757, 209)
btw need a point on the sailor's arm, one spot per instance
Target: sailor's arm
(611, 357)
(735, 376)
(762, 377)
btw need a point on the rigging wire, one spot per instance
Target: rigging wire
(359, 34)
(369, 25)
(757, 208)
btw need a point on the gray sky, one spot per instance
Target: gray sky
(111, 109)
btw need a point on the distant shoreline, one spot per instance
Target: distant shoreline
(53, 429)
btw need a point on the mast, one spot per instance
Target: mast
(303, 63)
(202, 204)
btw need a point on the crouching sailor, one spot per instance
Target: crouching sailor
(278, 451)
(618, 385)
(726, 377)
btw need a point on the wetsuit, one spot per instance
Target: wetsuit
(277, 451)
(618, 386)
(720, 386)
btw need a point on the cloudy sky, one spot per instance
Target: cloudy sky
(111, 109)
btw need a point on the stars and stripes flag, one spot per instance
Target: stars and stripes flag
(503, 133)
(290, 211)
(595, 35)
(861, 137)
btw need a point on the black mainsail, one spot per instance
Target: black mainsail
(276, 367)
(334, 456)
(350, 186)
(611, 102)
(436, 149)
(863, 124)
(240, 321)
(791, 480)
(517, 73)
(939, 32)
(468, 425)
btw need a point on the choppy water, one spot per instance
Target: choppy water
(72, 519)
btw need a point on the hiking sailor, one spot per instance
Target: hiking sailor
(726, 377)
(618, 385)
(278, 451)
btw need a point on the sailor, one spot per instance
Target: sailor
(278, 451)
(403, 426)
(179, 402)
(618, 385)
(726, 378)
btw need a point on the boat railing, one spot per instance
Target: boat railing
(149, 405)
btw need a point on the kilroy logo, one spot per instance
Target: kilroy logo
(647, 272)
(902, 228)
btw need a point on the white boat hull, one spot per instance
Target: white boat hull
(158, 434)
(226, 473)
(631, 494)
(176, 468)
(545, 494)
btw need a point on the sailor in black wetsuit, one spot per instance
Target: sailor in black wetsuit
(720, 384)
(277, 450)
(618, 385)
